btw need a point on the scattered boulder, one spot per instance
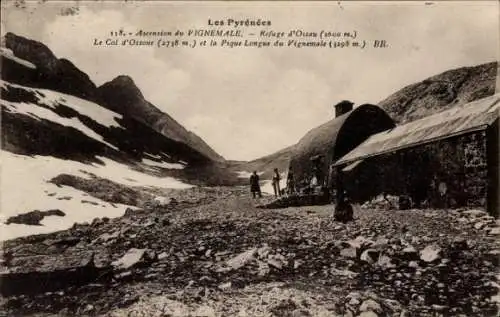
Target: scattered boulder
(404, 202)
(430, 253)
(263, 251)
(479, 225)
(385, 262)
(57, 271)
(349, 253)
(277, 261)
(370, 305)
(409, 253)
(241, 259)
(494, 231)
(360, 243)
(413, 264)
(380, 243)
(133, 257)
(459, 243)
(370, 256)
(474, 213)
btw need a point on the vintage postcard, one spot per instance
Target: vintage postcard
(249, 158)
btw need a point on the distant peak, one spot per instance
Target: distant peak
(124, 79)
(124, 84)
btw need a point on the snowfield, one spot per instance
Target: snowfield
(7, 53)
(163, 164)
(245, 174)
(53, 99)
(267, 187)
(24, 182)
(25, 187)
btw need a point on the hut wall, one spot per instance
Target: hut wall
(447, 173)
(476, 168)
(492, 148)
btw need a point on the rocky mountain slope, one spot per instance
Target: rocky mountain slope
(434, 94)
(121, 95)
(49, 72)
(441, 92)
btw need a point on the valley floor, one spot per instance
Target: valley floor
(214, 253)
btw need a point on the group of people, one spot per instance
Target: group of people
(343, 209)
(255, 183)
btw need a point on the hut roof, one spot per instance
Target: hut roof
(338, 136)
(473, 116)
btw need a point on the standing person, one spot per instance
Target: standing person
(255, 185)
(276, 183)
(290, 182)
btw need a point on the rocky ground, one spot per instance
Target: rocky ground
(211, 252)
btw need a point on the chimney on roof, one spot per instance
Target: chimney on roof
(343, 107)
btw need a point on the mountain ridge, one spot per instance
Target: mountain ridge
(441, 91)
(61, 75)
(123, 96)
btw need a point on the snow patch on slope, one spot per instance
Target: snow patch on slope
(52, 99)
(39, 113)
(162, 164)
(87, 108)
(24, 187)
(245, 174)
(267, 187)
(7, 53)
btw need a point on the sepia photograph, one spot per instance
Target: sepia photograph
(249, 158)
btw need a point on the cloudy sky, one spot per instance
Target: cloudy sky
(248, 102)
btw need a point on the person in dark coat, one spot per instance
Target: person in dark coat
(255, 185)
(276, 183)
(343, 210)
(290, 182)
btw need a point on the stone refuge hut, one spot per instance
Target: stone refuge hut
(449, 159)
(315, 152)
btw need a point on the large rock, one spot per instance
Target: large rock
(430, 253)
(349, 253)
(24, 274)
(409, 253)
(34, 217)
(133, 257)
(370, 305)
(241, 259)
(360, 242)
(494, 231)
(385, 261)
(474, 213)
(370, 256)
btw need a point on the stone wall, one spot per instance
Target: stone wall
(444, 174)
(493, 147)
(476, 168)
